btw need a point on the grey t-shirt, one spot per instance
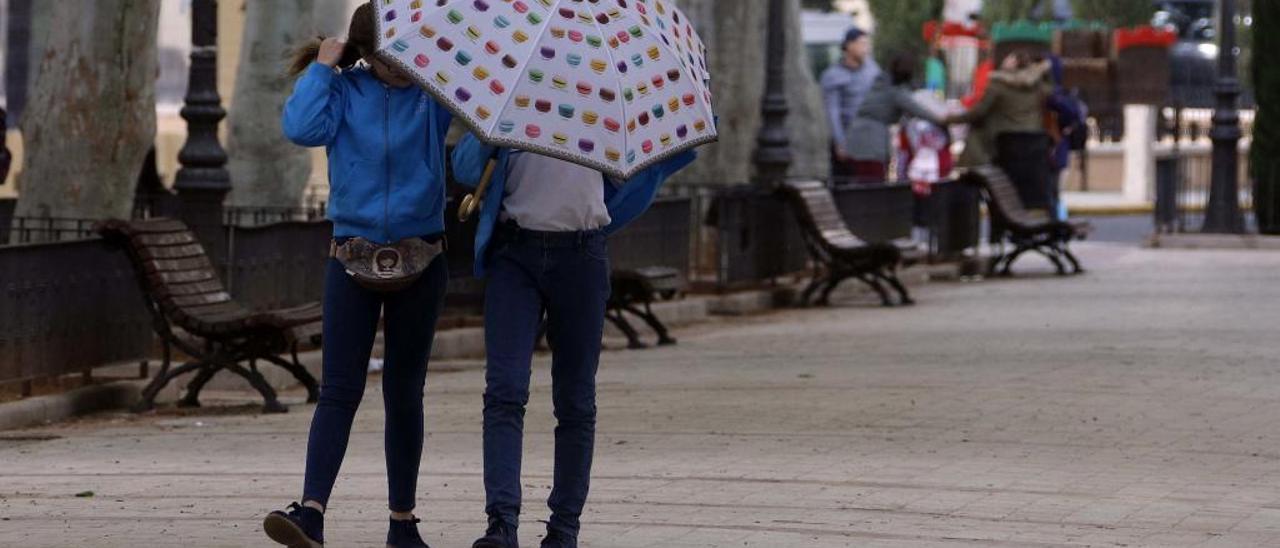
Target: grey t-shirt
(843, 90)
(552, 195)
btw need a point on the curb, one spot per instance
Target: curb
(1111, 211)
(460, 344)
(56, 407)
(1222, 242)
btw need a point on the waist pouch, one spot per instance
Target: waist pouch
(385, 268)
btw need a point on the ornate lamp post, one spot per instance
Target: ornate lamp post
(773, 154)
(203, 181)
(1223, 212)
(773, 151)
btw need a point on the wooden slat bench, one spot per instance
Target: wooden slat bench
(1025, 230)
(634, 292)
(838, 253)
(185, 297)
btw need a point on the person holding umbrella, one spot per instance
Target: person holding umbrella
(385, 138)
(541, 246)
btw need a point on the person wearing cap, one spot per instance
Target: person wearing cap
(844, 86)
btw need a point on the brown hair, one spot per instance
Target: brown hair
(362, 40)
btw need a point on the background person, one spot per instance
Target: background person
(844, 86)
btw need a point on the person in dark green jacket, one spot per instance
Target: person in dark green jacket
(1014, 102)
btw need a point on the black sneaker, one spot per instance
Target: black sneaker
(557, 539)
(403, 533)
(300, 527)
(499, 535)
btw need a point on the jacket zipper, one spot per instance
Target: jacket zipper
(386, 152)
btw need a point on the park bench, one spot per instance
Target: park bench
(193, 312)
(1025, 230)
(838, 254)
(634, 292)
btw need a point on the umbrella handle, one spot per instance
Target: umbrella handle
(471, 202)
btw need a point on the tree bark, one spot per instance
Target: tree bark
(91, 115)
(266, 169)
(332, 17)
(734, 32)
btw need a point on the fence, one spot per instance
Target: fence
(69, 302)
(743, 235)
(1184, 174)
(66, 307)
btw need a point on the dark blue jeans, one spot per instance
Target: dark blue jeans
(351, 315)
(567, 276)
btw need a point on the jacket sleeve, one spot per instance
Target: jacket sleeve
(980, 110)
(635, 197)
(469, 160)
(831, 89)
(907, 102)
(313, 114)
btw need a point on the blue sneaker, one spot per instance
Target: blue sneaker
(403, 533)
(499, 535)
(300, 527)
(557, 539)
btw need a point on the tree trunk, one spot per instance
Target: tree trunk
(266, 169)
(91, 114)
(332, 17)
(1265, 161)
(734, 32)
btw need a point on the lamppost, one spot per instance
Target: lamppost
(768, 216)
(1222, 215)
(773, 144)
(203, 181)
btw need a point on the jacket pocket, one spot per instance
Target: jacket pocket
(355, 194)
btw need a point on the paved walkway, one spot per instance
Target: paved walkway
(1136, 406)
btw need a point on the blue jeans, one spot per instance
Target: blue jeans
(351, 315)
(567, 276)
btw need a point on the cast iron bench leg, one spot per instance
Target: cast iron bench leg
(664, 338)
(148, 399)
(192, 398)
(1071, 258)
(870, 280)
(633, 337)
(299, 372)
(891, 277)
(270, 403)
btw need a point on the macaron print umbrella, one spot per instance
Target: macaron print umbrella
(615, 85)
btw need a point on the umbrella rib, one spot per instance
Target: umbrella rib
(532, 52)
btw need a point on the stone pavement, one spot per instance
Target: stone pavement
(1135, 406)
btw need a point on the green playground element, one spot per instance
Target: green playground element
(1022, 31)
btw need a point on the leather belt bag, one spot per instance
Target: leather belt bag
(385, 268)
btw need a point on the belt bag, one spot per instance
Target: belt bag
(385, 268)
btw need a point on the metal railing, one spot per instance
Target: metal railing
(1184, 174)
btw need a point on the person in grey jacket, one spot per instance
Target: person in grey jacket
(891, 97)
(844, 86)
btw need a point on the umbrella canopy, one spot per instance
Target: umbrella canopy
(615, 85)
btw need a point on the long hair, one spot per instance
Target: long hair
(361, 42)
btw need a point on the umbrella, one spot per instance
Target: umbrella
(615, 85)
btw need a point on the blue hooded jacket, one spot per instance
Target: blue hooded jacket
(386, 151)
(625, 202)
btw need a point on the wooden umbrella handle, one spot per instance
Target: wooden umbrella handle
(471, 202)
